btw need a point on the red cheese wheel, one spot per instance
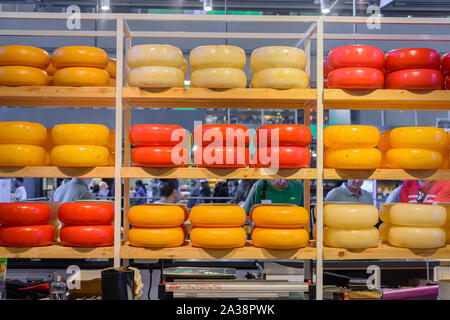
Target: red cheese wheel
(288, 157)
(221, 157)
(87, 236)
(288, 134)
(355, 78)
(414, 79)
(221, 135)
(27, 236)
(356, 56)
(445, 63)
(160, 157)
(447, 83)
(86, 213)
(153, 135)
(326, 68)
(412, 58)
(20, 214)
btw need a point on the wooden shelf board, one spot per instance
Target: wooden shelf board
(56, 252)
(387, 174)
(57, 172)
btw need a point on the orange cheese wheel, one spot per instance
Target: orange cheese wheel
(278, 238)
(384, 231)
(351, 238)
(217, 215)
(218, 238)
(19, 155)
(384, 142)
(407, 158)
(22, 76)
(80, 133)
(17, 55)
(111, 67)
(81, 77)
(419, 137)
(158, 215)
(51, 69)
(80, 56)
(350, 215)
(21, 132)
(279, 216)
(80, 156)
(413, 215)
(416, 237)
(350, 136)
(156, 237)
(368, 158)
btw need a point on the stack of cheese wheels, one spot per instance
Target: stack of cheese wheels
(217, 226)
(415, 226)
(25, 225)
(350, 225)
(80, 66)
(80, 145)
(21, 144)
(279, 67)
(158, 145)
(445, 66)
(111, 69)
(279, 226)
(23, 66)
(218, 67)
(417, 148)
(156, 66)
(221, 146)
(355, 67)
(447, 223)
(413, 69)
(158, 225)
(87, 224)
(352, 147)
(283, 146)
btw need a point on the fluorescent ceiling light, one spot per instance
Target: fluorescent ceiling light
(325, 10)
(207, 5)
(105, 5)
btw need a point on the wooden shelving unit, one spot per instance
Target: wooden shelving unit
(57, 172)
(56, 252)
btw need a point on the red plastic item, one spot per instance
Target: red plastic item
(356, 78)
(86, 213)
(153, 135)
(221, 157)
(228, 135)
(445, 63)
(288, 134)
(356, 56)
(412, 58)
(87, 236)
(288, 157)
(27, 236)
(160, 157)
(415, 79)
(20, 214)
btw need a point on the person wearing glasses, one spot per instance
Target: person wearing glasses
(425, 192)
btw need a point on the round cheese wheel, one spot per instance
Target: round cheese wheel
(283, 157)
(351, 238)
(17, 55)
(326, 70)
(156, 237)
(356, 55)
(355, 78)
(157, 216)
(112, 82)
(217, 215)
(22, 76)
(111, 67)
(80, 133)
(407, 158)
(221, 157)
(413, 215)
(81, 77)
(350, 215)
(184, 66)
(153, 135)
(415, 79)
(80, 56)
(24, 213)
(87, 236)
(447, 82)
(367, 158)
(409, 58)
(281, 78)
(277, 57)
(162, 55)
(419, 137)
(51, 69)
(218, 238)
(218, 78)
(279, 216)
(155, 77)
(384, 231)
(350, 136)
(445, 62)
(27, 236)
(80, 156)
(217, 56)
(86, 213)
(222, 135)
(283, 239)
(284, 135)
(165, 157)
(417, 238)
(384, 142)
(20, 155)
(21, 132)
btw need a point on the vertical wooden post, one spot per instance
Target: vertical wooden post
(306, 115)
(126, 182)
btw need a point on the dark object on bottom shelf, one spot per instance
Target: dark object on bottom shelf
(117, 284)
(16, 289)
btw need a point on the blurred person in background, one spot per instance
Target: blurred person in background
(141, 193)
(195, 192)
(220, 190)
(73, 190)
(169, 191)
(20, 192)
(394, 196)
(242, 191)
(205, 191)
(350, 191)
(103, 192)
(425, 191)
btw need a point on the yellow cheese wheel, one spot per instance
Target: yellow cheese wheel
(80, 133)
(350, 215)
(280, 78)
(22, 76)
(162, 55)
(218, 238)
(155, 77)
(111, 67)
(416, 237)
(156, 237)
(80, 156)
(217, 215)
(277, 57)
(413, 215)
(351, 238)
(384, 142)
(368, 158)
(277, 238)
(217, 56)
(419, 137)
(403, 158)
(80, 56)
(218, 78)
(447, 208)
(51, 69)
(21, 132)
(350, 136)
(279, 216)
(157, 216)
(18, 155)
(17, 55)
(81, 77)
(384, 231)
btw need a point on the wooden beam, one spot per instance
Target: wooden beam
(56, 252)
(387, 174)
(56, 172)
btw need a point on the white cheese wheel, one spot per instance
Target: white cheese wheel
(351, 238)
(350, 215)
(162, 55)
(217, 56)
(155, 77)
(277, 57)
(280, 78)
(413, 215)
(416, 238)
(218, 78)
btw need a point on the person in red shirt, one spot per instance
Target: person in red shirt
(418, 191)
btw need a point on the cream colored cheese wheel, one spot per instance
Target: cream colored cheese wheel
(405, 158)
(217, 215)
(418, 137)
(218, 78)
(81, 77)
(217, 56)
(20, 155)
(17, 55)
(157, 216)
(413, 215)
(80, 156)
(21, 132)
(277, 238)
(80, 133)
(279, 216)
(162, 55)
(351, 238)
(277, 57)
(416, 237)
(155, 77)
(368, 158)
(156, 237)
(384, 231)
(218, 238)
(22, 76)
(281, 78)
(350, 136)
(350, 215)
(184, 66)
